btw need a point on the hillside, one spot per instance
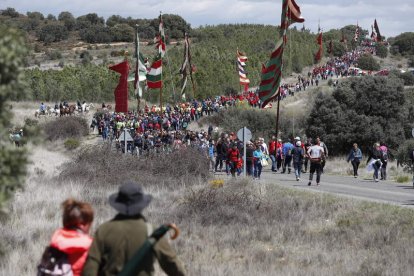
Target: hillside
(80, 49)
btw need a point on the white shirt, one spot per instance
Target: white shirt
(315, 152)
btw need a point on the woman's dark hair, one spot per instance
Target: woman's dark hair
(76, 213)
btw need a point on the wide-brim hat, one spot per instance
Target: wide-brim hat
(130, 200)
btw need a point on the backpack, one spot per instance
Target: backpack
(54, 262)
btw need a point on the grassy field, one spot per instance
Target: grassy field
(239, 228)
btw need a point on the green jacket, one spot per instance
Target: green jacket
(116, 241)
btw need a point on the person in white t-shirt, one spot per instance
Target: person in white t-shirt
(316, 156)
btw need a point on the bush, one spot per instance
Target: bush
(381, 50)
(377, 105)
(367, 62)
(55, 54)
(72, 143)
(408, 78)
(66, 127)
(101, 165)
(53, 33)
(402, 178)
(403, 153)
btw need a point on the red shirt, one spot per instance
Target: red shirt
(75, 244)
(233, 155)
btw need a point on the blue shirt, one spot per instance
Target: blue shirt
(287, 148)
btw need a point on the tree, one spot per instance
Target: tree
(362, 110)
(10, 12)
(114, 20)
(122, 32)
(51, 17)
(35, 15)
(96, 34)
(68, 20)
(52, 33)
(12, 160)
(381, 50)
(89, 19)
(367, 62)
(404, 43)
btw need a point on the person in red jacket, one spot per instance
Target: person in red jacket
(233, 156)
(73, 239)
(272, 152)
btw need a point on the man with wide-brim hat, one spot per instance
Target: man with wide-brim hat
(116, 241)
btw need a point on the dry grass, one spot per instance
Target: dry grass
(231, 228)
(339, 166)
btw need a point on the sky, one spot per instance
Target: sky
(393, 17)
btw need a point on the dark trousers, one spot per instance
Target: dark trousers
(315, 167)
(355, 165)
(219, 161)
(305, 164)
(249, 167)
(287, 163)
(384, 171)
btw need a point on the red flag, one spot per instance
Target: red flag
(121, 91)
(318, 55)
(377, 30)
(319, 39)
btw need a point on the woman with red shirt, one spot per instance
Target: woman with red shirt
(73, 239)
(233, 156)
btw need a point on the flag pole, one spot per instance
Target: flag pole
(277, 115)
(137, 69)
(161, 72)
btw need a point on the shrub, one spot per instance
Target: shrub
(367, 62)
(72, 143)
(408, 78)
(66, 127)
(382, 51)
(402, 178)
(53, 55)
(101, 165)
(53, 33)
(404, 152)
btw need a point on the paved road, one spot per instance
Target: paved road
(401, 194)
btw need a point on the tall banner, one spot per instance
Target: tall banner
(379, 38)
(318, 55)
(272, 71)
(186, 68)
(121, 91)
(241, 69)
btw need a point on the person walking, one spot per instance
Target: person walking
(220, 155)
(307, 145)
(355, 156)
(233, 156)
(316, 156)
(272, 152)
(73, 238)
(257, 157)
(117, 240)
(384, 161)
(250, 148)
(297, 157)
(325, 152)
(287, 155)
(374, 160)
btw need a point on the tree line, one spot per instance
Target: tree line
(91, 27)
